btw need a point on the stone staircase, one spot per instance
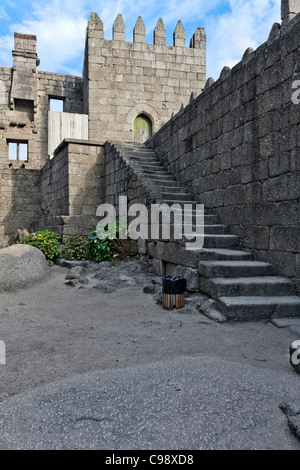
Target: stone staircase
(242, 287)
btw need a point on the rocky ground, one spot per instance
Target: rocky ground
(95, 337)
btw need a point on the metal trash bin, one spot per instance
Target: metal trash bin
(173, 289)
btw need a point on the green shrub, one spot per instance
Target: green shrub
(109, 246)
(75, 248)
(46, 241)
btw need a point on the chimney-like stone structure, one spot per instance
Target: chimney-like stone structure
(24, 68)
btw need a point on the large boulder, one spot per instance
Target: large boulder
(22, 266)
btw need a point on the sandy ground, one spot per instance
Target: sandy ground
(54, 331)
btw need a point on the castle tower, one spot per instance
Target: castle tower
(126, 81)
(24, 70)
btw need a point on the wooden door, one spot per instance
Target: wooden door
(142, 129)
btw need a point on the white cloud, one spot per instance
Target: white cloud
(60, 34)
(247, 24)
(6, 47)
(60, 27)
(59, 41)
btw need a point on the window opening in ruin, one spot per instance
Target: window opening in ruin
(57, 105)
(24, 110)
(142, 128)
(18, 151)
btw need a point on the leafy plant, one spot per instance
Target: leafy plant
(75, 248)
(104, 243)
(46, 241)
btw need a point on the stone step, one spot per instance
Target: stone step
(208, 229)
(168, 187)
(213, 241)
(157, 176)
(209, 220)
(222, 254)
(152, 166)
(148, 163)
(179, 196)
(156, 173)
(138, 151)
(259, 308)
(247, 286)
(178, 201)
(244, 289)
(135, 148)
(163, 183)
(143, 160)
(221, 241)
(233, 269)
(194, 209)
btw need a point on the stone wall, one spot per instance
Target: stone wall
(19, 202)
(55, 185)
(24, 86)
(125, 79)
(236, 148)
(53, 85)
(72, 188)
(121, 179)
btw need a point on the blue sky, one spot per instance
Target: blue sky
(232, 26)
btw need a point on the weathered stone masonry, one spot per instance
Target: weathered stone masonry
(71, 188)
(124, 79)
(234, 147)
(121, 80)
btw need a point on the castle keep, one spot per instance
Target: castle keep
(144, 122)
(127, 92)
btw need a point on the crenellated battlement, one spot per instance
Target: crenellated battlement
(198, 41)
(124, 80)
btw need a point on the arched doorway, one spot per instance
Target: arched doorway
(142, 128)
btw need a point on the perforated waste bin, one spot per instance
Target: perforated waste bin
(173, 292)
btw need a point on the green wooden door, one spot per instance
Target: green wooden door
(142, 129)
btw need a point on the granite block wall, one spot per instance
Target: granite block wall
(19, 201)
(236, 148)
(124, 79)
(25, 95)
(72, 188)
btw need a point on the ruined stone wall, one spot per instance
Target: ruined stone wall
(236, 148)
(126, 79)
(22, 85)
(24, 106)
(19, 201)
(53, 85)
